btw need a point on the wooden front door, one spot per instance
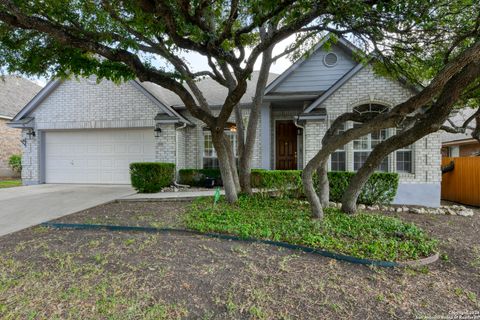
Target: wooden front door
(286, 145)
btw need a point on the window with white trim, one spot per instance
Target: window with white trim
(364, 145)
(210, 160)
(338, 159)
(404, 158)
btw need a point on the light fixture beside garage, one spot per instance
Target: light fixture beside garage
(157, 130)
(31, 134)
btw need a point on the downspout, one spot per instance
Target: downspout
(175, 183)
(298, 125)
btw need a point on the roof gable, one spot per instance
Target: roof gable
(102, 90)
(312, 74)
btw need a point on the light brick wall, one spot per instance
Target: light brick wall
(30, 159)
(165, 150)
(9, 145)
(86, 105)
(366, 87)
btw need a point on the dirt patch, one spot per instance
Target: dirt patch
(133, 213)
(97, 274)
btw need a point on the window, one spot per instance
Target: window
(338, 160)
(210, 160)
(364, 145)
(404, 158)
(370, 108)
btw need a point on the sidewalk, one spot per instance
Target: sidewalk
(159, 196)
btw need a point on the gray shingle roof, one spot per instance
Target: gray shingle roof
(15, 93)
(459, 118)
(213, 91)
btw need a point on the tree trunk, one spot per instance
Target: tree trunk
(323, 184)
(232, 162)
(350, 197)
(245, 166)
(224, 163)
(309, 189)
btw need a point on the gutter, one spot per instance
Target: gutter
(297, 124)
(175, 183)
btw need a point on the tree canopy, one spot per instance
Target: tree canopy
(427, 44)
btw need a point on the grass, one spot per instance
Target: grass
(10, 183)
(363, 235)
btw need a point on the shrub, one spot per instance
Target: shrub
(286, 182)
(380, 188)
(196, 177)
(15, 162)
(149, 177)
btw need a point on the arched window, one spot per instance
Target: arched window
(364, 145)
(370, 108)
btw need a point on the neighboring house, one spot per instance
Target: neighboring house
(88, 133)
(460, 144)
(15, 92)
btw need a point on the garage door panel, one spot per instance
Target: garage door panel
(96, 156)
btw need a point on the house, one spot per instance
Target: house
(85, 132)
(15, 92)
(460, 144)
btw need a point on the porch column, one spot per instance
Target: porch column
(265, 136)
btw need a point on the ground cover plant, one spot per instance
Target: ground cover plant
(282, 219)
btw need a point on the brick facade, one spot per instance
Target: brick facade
(9, 145)
(366, 87)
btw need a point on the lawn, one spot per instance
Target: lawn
(10, 183)
(66, 274)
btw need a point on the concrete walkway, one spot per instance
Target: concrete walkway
(184, 195)
(22, 207)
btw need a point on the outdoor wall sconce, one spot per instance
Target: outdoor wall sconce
(31, 133)
(157, 130)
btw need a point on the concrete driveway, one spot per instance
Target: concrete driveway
(22, 207)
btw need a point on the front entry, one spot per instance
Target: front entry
(285, 145)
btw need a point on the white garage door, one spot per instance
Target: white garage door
(96, 156)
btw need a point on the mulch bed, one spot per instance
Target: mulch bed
(121, 275)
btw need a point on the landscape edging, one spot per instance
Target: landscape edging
(324, 253)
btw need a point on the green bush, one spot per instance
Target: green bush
(380, 188)
(285, 182)
(149, 177)
(196, 177)
(15, 162)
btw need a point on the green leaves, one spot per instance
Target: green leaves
(363, 235)
(150, 177)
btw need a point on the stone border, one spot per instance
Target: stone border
(420, 262)
(452, 210)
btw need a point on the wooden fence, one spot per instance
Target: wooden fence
(463, 183)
